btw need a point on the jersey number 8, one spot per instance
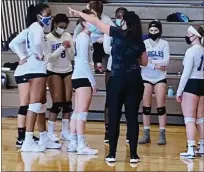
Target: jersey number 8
(63, 54)
(201, 63)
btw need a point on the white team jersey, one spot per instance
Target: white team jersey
(193, 66)
(157, 55)
(82, 50)
(63, 63)
(18, 46)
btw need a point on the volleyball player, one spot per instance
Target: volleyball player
(154, 78)
(59, 73)
(18, 46)
(119, 13)
(125, 85)
(35, 73)
(190, 92)
(84, 84)
(97, 36)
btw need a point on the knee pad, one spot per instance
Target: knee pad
(147, 110)
(82, 116)
(200, 120)
(67, 107)
(56, 107)
(35, 107)
(189, 119)
(43, 108)
(161, 111)
(74, 116)
(23, 110)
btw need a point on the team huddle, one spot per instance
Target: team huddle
(136, 68)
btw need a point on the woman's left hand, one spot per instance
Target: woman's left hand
(73, 13)
(179, 99)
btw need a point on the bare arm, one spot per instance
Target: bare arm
(144, 59)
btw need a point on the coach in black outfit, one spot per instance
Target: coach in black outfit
(125, 85)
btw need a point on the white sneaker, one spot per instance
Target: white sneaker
(49, 144)
(201, 150)
(32, 147)
(188, 155)
(72, 146)
(86, 150)
(65, 135)
(53, 137)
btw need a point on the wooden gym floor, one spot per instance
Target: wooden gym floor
(153, 157)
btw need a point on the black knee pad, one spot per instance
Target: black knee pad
(56, 107)
(161, 111)
(67, 107)
(23, 110)
(147, 110)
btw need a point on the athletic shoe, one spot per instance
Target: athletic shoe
(146, 138)
(162, 137)
(49, 144)
(53, 137)
(36, 139)
(201, 150)
(190, 154)
(135, 159)
(32, 147)
(19, 143)
(110, 158)
(65, 135)
(72, 146)
(106, 139)
(86, 150)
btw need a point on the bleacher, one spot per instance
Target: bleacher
(173, 32)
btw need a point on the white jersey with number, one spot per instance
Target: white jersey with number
(193, 66)
(158, 54)
(82, 52)
(18, 46)
(63, 63)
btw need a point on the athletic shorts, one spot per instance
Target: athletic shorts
(80, 82)
(62, 75)
(161, 81)
(195, 86)
(27, 77)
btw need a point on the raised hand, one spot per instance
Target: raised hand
(73, 13)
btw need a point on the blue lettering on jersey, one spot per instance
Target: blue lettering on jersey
(56, 46)
(156, 54)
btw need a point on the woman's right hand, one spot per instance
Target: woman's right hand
(66, 44)
(21, 62)
(162, 68)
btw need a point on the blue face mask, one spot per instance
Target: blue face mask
(91, 27)
(45, 20)
(118, 22)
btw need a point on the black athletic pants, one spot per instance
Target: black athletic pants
(127, 90)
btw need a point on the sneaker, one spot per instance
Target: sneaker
(106, 139)
(86, 150)
(190, 154)
(201, 150)
(72, 146)
(162, 137)
(49, 144)
(19, 143)
(53, 137)
(135, 159)
(110, 158)
(32, 147)
(146, 138)
(65, 135)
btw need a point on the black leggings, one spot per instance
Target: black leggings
(127, 90)
(98, 53)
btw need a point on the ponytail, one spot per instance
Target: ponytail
(32, 13)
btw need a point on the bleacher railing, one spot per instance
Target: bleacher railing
(13, 13)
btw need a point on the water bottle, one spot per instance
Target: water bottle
(171, 91)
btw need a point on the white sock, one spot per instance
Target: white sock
(191, 143)
(43, 136)
(65, 125)
(51, 127)
(146, 127)
(81, 140)
(162, 128)
(73, 137)
(29, 137)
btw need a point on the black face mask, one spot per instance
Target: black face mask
(188, 41)
(154, 36)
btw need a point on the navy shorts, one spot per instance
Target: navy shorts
(195, 86)
(27, 77)
(80, 82)
(62, 75)
(161, 81)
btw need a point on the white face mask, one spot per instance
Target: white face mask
(59, 31)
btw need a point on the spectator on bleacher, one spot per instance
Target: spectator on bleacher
(190, 92)
(35, 74)
(107, 45)
(84, 84)
(154, 78)
(59, 71)
(97, 36)
(125, 86)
